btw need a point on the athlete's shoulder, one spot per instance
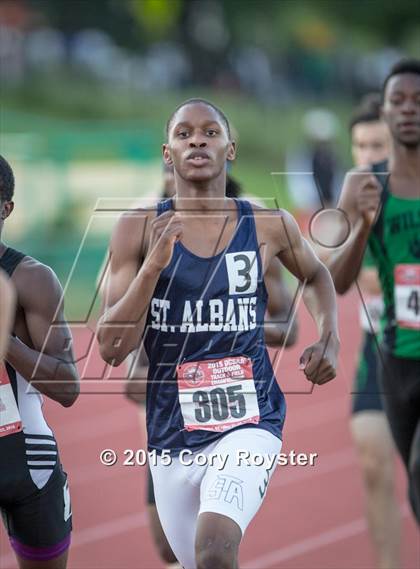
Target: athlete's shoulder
(35, 280)
(138, 213)
(130, 233)
(276, 225)
(133, 220)
(34, 272)
(6, 288)
(271, 214)
(261, 209)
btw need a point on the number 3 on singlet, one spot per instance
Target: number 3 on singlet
(407, 296)
(217, 395)
(242, 268)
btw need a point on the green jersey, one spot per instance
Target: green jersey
(394, 243)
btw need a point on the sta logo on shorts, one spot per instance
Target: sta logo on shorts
(217, 395)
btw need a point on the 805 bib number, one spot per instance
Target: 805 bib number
(219, 404)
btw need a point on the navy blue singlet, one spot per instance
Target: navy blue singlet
(208, 309)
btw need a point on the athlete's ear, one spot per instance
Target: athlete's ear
(6, 209)
(167, 155)
(231, 155)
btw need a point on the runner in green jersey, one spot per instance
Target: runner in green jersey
(383, 208)
(394, 242)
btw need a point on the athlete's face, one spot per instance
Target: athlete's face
(401, 108)
(369, 143)
(198, 143)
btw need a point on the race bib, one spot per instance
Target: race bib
(374, 306)
(407, 296)
(217, 395)
(10, 420)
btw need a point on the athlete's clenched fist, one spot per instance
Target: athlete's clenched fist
(319, 361)
(166, 230)
(368, 196)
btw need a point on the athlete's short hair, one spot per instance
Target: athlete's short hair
(368, 110)
(7, 180)
(195, 101)
(402, 66)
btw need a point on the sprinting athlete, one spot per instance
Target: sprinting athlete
(34, 494)
(7, 307)
(195, 288)
(284, 332)
(369, 426)
(383, 207)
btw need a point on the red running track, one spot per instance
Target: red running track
(312, 517)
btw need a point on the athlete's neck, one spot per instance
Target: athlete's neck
(404, 162)
(201, 196)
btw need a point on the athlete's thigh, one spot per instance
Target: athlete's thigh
(414, 472)
(239, 488)
(401, 413)
(366, 390)
(39, 524)
(415, 450)
(177, 501)
(415, 445)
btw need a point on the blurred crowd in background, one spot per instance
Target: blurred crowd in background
(276, 50)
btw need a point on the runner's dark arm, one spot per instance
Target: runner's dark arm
(48, 364)
(319, 294)
(136, 384)
(360, 201)
(127, 291)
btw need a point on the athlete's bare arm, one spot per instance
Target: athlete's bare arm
(120, 288)
(42, 350)
(284, 239)
(7, 308)
(136, 384)
(360, 199)
(141, 247)
(279, 328)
